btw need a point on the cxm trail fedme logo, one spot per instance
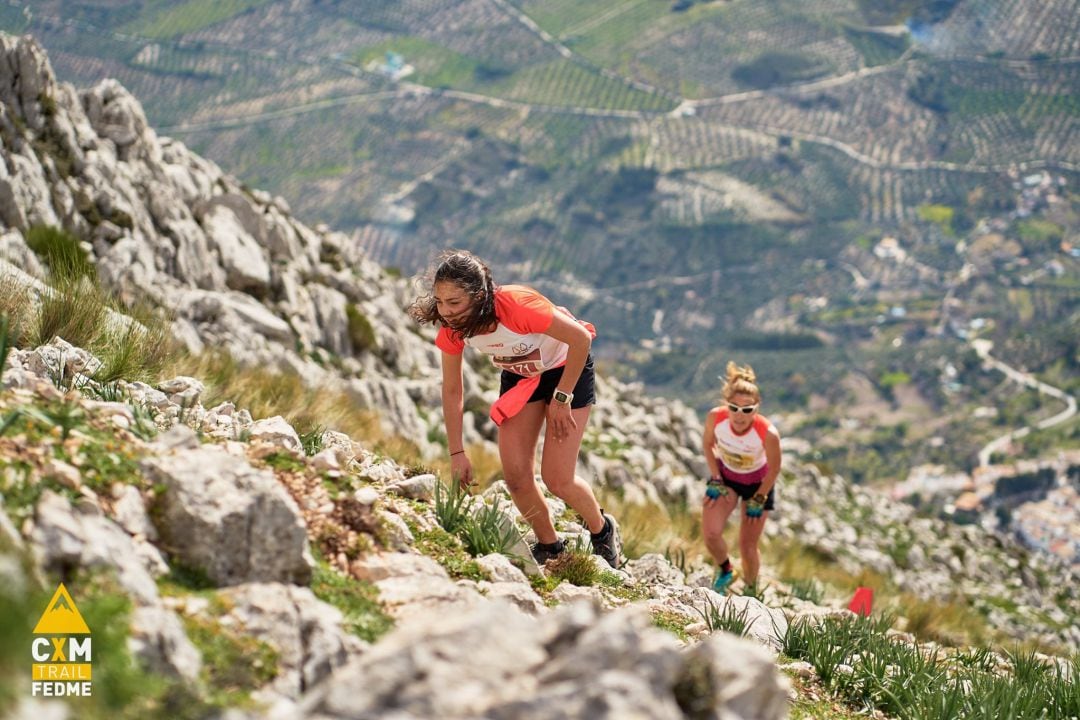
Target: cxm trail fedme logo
(61, 650)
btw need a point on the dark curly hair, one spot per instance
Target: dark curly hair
(472, 275)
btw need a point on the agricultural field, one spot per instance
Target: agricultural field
(704, 179)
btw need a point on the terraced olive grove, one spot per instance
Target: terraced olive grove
(704, 180)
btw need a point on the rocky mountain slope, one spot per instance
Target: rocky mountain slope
(127, 492)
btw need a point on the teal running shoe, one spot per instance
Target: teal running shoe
(723, 581)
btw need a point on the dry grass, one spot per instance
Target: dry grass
(16, 304)
(138, 351)
(674, 532)
(81, 312)
(266, 394)
(76, 310)
(949, 622)
(791, 560)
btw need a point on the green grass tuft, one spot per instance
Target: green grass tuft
(61, 252)
(575, 566)
(356, 599)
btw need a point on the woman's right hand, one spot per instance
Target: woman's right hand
(461, 468)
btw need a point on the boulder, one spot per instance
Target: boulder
(235, 522)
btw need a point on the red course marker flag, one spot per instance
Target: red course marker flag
(863, 600)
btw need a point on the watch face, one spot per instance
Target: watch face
(562, 397)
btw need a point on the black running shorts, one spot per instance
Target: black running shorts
(584, 390)
(748, 490)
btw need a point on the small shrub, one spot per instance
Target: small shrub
(575, 567)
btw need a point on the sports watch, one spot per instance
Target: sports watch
(563, 397)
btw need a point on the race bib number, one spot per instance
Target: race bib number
(737, 461)
(524, 365)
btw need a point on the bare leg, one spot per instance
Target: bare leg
(517, 450)
(750, 530)
(714, 516)
(558, 466)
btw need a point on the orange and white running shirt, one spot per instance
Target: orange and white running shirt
(742, 456)
(519, 343)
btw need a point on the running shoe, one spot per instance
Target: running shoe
(542, 552)
(608, 542)
(723, 581)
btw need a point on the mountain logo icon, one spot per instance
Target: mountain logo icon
(61, 616)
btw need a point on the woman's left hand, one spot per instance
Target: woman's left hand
(560, 420)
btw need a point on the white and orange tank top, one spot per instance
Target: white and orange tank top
(742, 456)
(519, 343)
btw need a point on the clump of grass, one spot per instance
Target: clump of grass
(75, 310)
(482, 528)
(672, 621)
(285, 462)
(448, 551)
(576, 566)
(489, 530)
(5, 346)
(729, 618)
(311, 438)
(356, 599)
(866, 669)
(673, 531)
(16, 306)
(61, 252)
(233, 664)
(949, 621)
(755, 591)
(137, 351)
(807, 589)
(544, 584)
(452, 507)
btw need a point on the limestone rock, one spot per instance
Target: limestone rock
(235, 522)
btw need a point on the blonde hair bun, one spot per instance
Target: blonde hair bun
(741, 380)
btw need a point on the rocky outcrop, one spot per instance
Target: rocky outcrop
(235, 523)
(574, 663)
